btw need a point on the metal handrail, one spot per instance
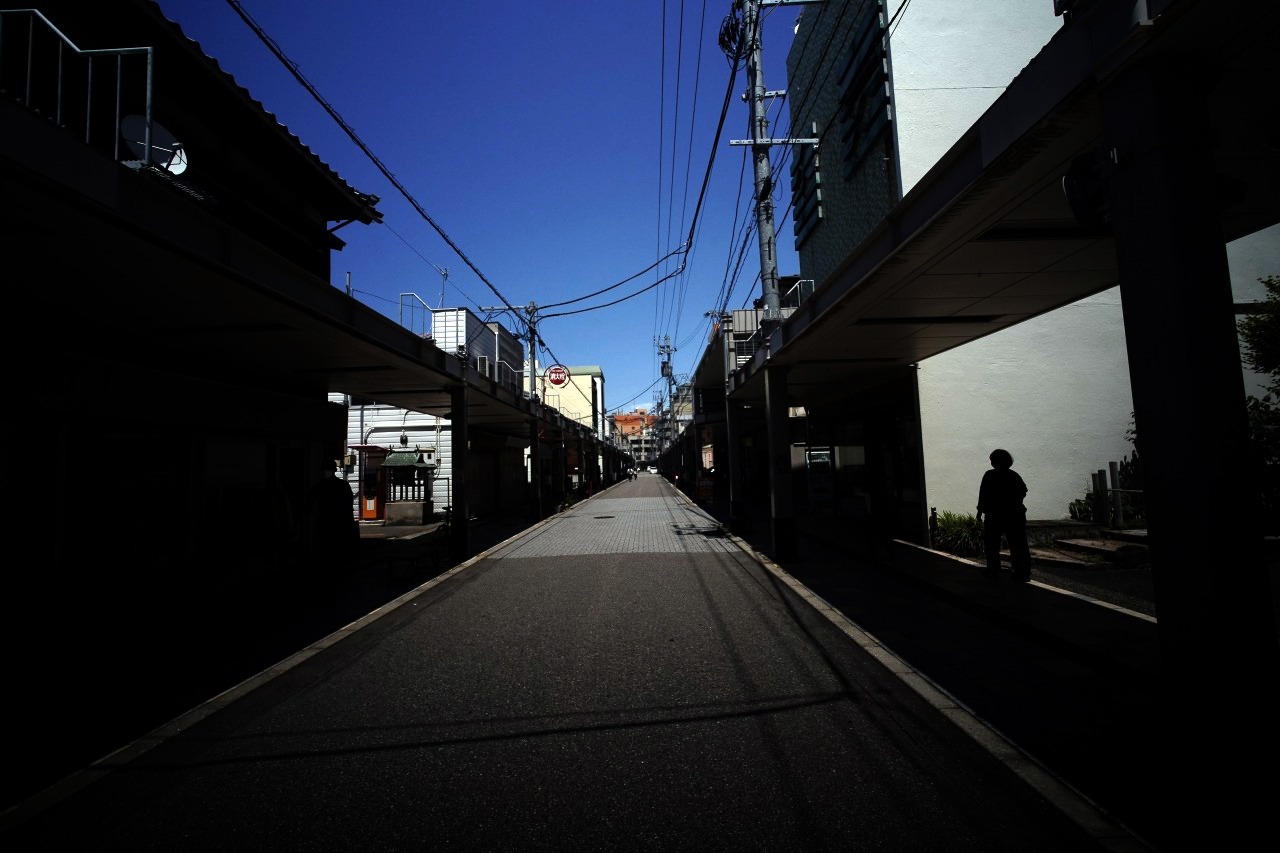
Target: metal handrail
(35, 92)
(423, 304)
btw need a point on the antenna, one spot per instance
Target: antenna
(444, 279)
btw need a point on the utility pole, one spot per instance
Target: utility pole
(535, 423)
(665, 349)
(759, 130)
(760, 141)
(532, 310)
(775, 378)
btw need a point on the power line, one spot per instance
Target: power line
(666, 277)
(297, 74)
(619, 284)
(677, 298)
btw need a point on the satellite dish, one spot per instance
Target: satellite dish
(166, 151)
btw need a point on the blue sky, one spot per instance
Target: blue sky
(557, 150)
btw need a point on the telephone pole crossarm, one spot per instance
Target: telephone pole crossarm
(789, 2)
(774, 141)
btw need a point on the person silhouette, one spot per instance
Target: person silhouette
(1000, 499)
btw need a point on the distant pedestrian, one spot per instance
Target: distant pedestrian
(1000, 500)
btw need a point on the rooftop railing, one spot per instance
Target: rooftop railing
(101, 96)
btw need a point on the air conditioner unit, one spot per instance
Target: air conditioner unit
(482, 365)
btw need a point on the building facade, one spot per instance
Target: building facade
(637, 435)
(949, 63)
(581, 398)
(497, 475)
(487, 346)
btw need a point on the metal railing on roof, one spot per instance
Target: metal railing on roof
(87, 92)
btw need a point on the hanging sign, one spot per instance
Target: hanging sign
(557, 375)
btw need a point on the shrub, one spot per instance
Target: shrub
(1132, 505)
(1081, 509)
(959, 534)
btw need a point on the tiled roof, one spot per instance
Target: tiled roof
(255, 104)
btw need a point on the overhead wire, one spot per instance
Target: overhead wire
(639, 292)
(675, 298)
(333, 113)
(895, 21)
(731, 42)
(740, 225)
(656, 263)
(725, 39)
(683, 288)
(664, 297)
(695, 220)
(621, 406)
(411, 248)
(662, 136)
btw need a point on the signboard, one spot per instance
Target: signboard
(557, 375)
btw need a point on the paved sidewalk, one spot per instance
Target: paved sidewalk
(622, 676)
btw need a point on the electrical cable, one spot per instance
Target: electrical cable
(297, 74)
(619, 284)
(645, 289)
(730, 40)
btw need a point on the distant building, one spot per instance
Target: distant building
(637, 434)
(582, 398)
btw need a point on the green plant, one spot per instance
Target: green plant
(1081, 509)
(1131, 505)
(1129, 472)
(1260, 349)
(959, 534)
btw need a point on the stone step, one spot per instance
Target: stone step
(1047, 556)
(1100, 547)
(1134, 535)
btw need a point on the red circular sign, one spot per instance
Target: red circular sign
(557, 375)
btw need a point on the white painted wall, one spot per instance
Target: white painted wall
(382, 425)
(951, 60)
(1053, 391)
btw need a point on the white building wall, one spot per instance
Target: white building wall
(382, 425)
(374, 423)
(1053, 391)
(951, 61)
(489, 347)
(582, 399)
